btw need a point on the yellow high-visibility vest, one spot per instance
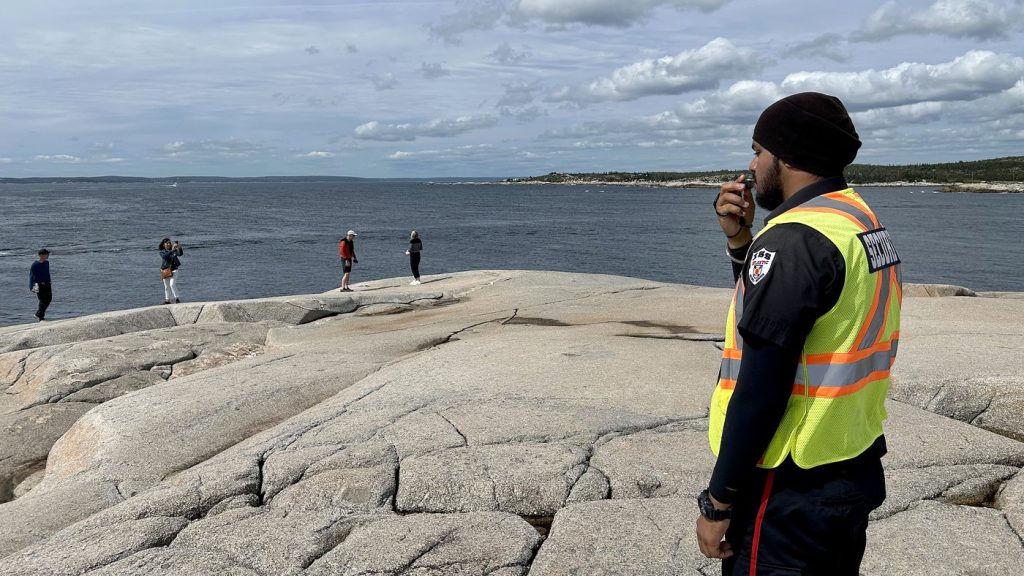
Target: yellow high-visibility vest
(837, 404)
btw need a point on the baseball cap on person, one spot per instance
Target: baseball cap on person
(351, 233)
(810, 131)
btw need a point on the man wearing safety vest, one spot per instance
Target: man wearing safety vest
(796, 417)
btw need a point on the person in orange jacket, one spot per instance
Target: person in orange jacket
(347, 251)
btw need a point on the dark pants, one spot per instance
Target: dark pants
(805, 521)
(414, 262)
(45, 296)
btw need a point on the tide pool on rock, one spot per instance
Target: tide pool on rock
(491, 422)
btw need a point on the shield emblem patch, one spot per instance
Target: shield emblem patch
(760, 264)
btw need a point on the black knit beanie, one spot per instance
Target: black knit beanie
(810, 131)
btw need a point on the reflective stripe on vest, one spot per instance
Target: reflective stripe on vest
(831, 374)
(836, 404)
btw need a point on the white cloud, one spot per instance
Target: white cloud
(971, 76)
(506, 54)
(59, 158)
(486, 14)
(523, 115)
(317, 154)
(384, 81)
(887, 106)
(518, 94)
(899, 116)
(824, 46)
(968, 77)
(438, 128)
(457, 152)
(592, 145)
(699, 69)
(432, 71)
(212, 148)
(618, 13)
(111, 160)
(470, 15)
(977, 19)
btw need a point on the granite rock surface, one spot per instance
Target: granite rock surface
(493, 422)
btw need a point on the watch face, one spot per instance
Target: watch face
(708, 510)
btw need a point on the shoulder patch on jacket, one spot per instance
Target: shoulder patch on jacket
(760, 265)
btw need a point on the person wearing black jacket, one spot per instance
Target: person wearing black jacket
(169, 264)
(39, 283)
(788, 519)
(415, 247)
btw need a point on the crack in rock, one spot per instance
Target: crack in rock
(117, 487)
(336, 537)
(991, 400)
(162, 542)
(949, 490)
(21, 369)
(1012, 529)
(444, 539)
(490, 478)
(260, 493)
(465, 441)
(471, 326)
(662, 427)
(694, 337)
(493, 569)
(398, 476)
(287, 439)
(930, 405)
(585, 465)
(510, 318)
(86, 384)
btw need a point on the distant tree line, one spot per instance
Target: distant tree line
(1009, 169)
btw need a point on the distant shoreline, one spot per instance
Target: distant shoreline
(955, 187)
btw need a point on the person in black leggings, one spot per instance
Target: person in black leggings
(415, 247)
(39, 283)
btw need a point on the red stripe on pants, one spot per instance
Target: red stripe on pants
(757, 522)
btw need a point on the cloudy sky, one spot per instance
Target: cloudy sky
(421, 88)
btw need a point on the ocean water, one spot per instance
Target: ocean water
(247, 240)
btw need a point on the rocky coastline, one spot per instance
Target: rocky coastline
(496, 423)
(957, 187)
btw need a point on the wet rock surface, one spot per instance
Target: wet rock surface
(493, 422)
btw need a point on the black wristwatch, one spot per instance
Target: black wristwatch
(708, 510)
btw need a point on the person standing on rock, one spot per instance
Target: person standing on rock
(796, 417)
(347, 251)
(169, 264)
(39, 283)
(415, 247)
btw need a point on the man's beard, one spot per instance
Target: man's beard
(768, 187)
